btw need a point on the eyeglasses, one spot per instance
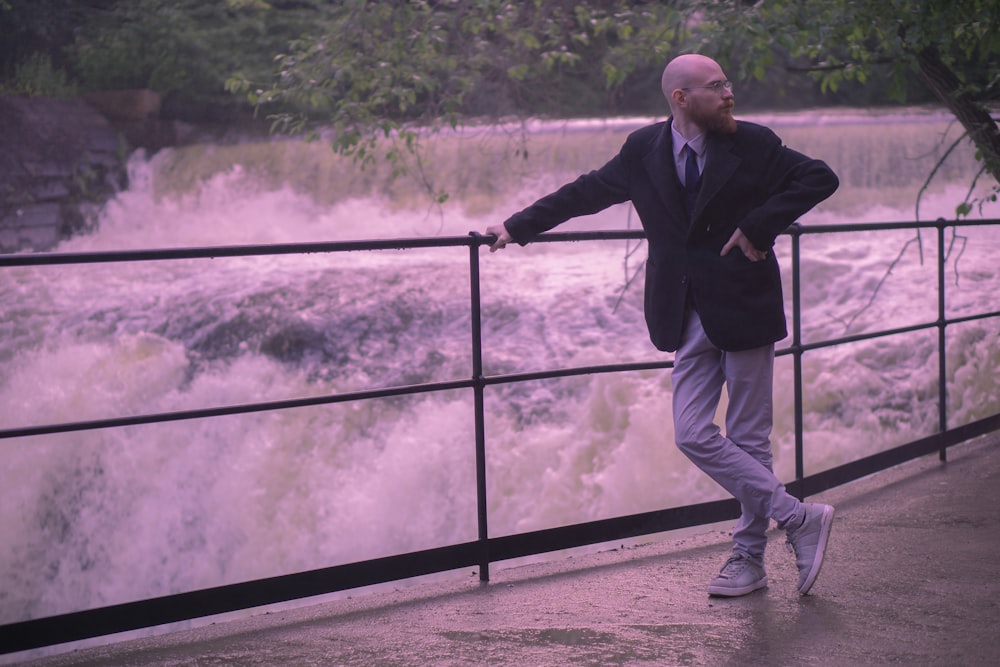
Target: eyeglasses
(716, 87)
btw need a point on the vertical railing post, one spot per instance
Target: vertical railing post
(479, 405)
(942, 340)
(797, 350)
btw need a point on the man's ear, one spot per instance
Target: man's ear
(679, 97)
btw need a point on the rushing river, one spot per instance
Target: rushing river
(106, 516)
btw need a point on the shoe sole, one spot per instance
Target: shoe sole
(826, 525)
(723, 592)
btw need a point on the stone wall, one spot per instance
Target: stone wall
(59, 161)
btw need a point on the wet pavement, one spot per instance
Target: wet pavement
(912, 576)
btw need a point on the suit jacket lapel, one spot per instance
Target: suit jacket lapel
(720, 165)
(659, 163)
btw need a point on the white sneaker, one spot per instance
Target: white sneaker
(808, 542)
(738, 576)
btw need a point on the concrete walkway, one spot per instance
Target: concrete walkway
(912, 577)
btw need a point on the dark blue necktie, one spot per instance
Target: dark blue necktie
(691, 177)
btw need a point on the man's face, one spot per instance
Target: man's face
(712, 108)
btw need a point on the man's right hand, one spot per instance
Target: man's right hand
(503, 237)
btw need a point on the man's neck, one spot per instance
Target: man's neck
(686, 128)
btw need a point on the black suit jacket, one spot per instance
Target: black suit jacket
(750, 180)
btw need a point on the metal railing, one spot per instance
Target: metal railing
(34, 633)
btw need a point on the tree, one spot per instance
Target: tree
(184, 49)
(953, 46)
(380, 69)
(377, 70)
(29, 27)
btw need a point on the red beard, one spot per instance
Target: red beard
(718, 120)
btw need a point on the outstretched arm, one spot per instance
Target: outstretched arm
(586, 195)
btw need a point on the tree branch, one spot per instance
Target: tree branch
(974, 117)
(808, 69)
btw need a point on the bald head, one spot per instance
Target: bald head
(699, 102)
(690, 69)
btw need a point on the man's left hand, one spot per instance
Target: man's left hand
(739, 240)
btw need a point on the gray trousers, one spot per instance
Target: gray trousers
(740, 461)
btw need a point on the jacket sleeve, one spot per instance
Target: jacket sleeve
(797, 184)
(588, 194)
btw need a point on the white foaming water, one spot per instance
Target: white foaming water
(101, 517)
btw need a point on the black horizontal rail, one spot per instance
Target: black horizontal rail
(473, 239)
(127, 616)
(74, 626)
(228, 410)
(213, 252)
(408, 390)
(802, 230)
(853, 470)
(326, 399)
(884, 333)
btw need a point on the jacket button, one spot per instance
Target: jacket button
(684, 280)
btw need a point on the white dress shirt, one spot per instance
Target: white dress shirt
(697, 144)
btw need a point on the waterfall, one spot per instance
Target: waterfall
(102, 517)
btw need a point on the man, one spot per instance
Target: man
(712, 193)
